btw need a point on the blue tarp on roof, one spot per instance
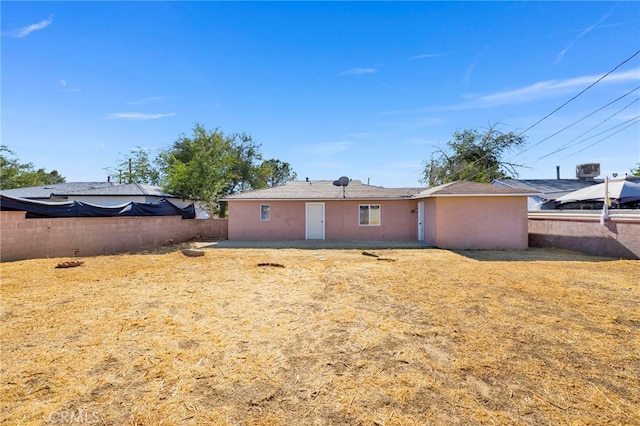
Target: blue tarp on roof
(41, 209)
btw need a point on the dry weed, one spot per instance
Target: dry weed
(334, 337)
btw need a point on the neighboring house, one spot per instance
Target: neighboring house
(98, 193)
(459, 215)
(547, 190)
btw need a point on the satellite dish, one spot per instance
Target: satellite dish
(343, 181)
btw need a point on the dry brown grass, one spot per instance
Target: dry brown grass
(334, 337)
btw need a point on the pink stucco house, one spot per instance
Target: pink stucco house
(457, 215)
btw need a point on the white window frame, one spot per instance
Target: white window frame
(265, 217)
(379, 209)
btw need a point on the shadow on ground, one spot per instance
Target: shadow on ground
(531, 255)
(317, 244)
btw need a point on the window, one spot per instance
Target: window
(370, 214)
(264, 212)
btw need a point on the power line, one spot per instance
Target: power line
(584, 90)
(472, 164)
(634, 120)
(573, 124)
(570, 144)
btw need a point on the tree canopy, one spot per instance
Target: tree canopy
(636, 171)
(276, 172)
(205, 166)
(473, 155)
(210, 165)
(14, 174)
(136, 167)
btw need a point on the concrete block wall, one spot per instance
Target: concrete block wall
(22, 238)
(619, 237)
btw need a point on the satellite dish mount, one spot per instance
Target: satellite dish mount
(343, 182)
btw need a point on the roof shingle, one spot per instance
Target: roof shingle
(324, 190)
(356, 190)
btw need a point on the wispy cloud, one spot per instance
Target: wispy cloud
(467, 75)
(415, 123)
(25, 31)
(543, 89)
(64, 85)
(138, 116)
(359, 71)
(326, 149)
(427, 56)
(146, 101)
(582, 34)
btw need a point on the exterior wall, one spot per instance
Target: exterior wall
(399, 221)
(430, 220)
(287, 220)
(22, 238)
(484, 223)
(111, 200)
(619, 237)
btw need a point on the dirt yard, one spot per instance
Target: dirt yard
(321, 337)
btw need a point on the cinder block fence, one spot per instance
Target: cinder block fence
(618, 237)
(22, 238)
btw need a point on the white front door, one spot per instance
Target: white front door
(421, 221)
(315, 221)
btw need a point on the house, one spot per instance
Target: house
(460, 215)
(97, 193)
(549, 190)
(546, 190)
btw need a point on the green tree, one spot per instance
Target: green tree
(210, 165)
(14, 174)
(136, 167)
(276, 172)
(473, 155)
(636, 171)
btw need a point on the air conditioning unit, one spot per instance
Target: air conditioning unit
(589, 170)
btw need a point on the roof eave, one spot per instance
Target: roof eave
(528, 194)
(318, 199)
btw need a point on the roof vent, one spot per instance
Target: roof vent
(587, 171)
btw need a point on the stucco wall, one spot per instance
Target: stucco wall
(399, 221)
(22, 238)
(485, 223)
(619, 237)
(286, 221)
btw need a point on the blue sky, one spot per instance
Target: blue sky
(364, 89)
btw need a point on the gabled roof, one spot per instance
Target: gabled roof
(85, 189)
(129, 189)
(324, 190)
(45, 191)
(356, 190)
(548, 188)
(462, 188)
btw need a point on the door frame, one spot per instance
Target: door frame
(421, 221)
(307, 223)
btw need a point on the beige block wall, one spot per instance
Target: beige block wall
(619, 237)
(22, 238)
